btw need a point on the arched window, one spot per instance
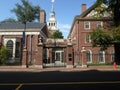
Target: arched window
(88, 57)
(10, 47)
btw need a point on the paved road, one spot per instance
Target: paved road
(57, 80)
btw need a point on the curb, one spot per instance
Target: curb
(19, 68)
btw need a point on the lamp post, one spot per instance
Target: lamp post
(24, 41)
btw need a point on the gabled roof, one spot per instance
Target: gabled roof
(19, 25)
(88, 11)
(84, 14)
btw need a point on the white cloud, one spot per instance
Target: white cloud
(53, 1)
(64, 28)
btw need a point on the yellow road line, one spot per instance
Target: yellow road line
(105, 82)
(19, 87)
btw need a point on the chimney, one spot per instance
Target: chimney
(42, 16)
(83, 7)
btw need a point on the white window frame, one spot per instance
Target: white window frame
(103, 56)
(86, 25)
(99, 24)
(112, 56)
(88, 38)
(90, 56)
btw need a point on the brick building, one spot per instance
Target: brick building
(81, 27)
(23, 49)
(29, 45)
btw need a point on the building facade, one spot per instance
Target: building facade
(30, 46)
(80, 31)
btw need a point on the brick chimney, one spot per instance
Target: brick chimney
(83, 7)
(42, 16)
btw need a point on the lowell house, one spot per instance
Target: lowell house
(82, 25)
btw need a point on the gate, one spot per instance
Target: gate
(55, 58)
(55, 53)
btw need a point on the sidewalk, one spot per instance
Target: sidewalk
(31, 69)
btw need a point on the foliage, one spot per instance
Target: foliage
(104, 38)
(114, 6)
(26, 12)
(8, 20)
(56, 35)
(4, 54)
(101, 38)
(115, 33)
(100, 9)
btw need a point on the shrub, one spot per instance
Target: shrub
(4, 54)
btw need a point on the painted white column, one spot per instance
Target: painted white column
(14, 48)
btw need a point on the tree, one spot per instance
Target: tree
(4, 54)
(8, 20)
(105, 38)
(56, 35)
(101, 38)
(26, 12)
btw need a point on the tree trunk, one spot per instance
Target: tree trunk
(117, 52)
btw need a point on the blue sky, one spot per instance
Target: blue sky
(65, 10)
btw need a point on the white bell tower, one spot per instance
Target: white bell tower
(52, 22)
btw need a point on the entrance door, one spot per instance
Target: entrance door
(59, 57)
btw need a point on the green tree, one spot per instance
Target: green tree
(101, 38)
(4, 54)
(8, 20)
(26, 12)
(105, 38)
(56, 35)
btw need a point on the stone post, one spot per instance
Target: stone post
(84, 62)
(39, 55)
(24, 58)
(69, 56)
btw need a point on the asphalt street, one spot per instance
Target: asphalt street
(57, 80)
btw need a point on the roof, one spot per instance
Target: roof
(19, 25)
(83, 15)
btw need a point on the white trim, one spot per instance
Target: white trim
(85, 25)
(19, 33)
(103, 53)
(100, 23)
(90, 56)
(14, 46)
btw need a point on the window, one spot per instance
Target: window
(86, 25)
(112, 56)
(10, 47)
(101, 56)
(17, 53)
(88, 38)
(49, 24)
(99, 25)
(88, 57)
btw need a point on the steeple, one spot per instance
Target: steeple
(52, 10)
(52, 22)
